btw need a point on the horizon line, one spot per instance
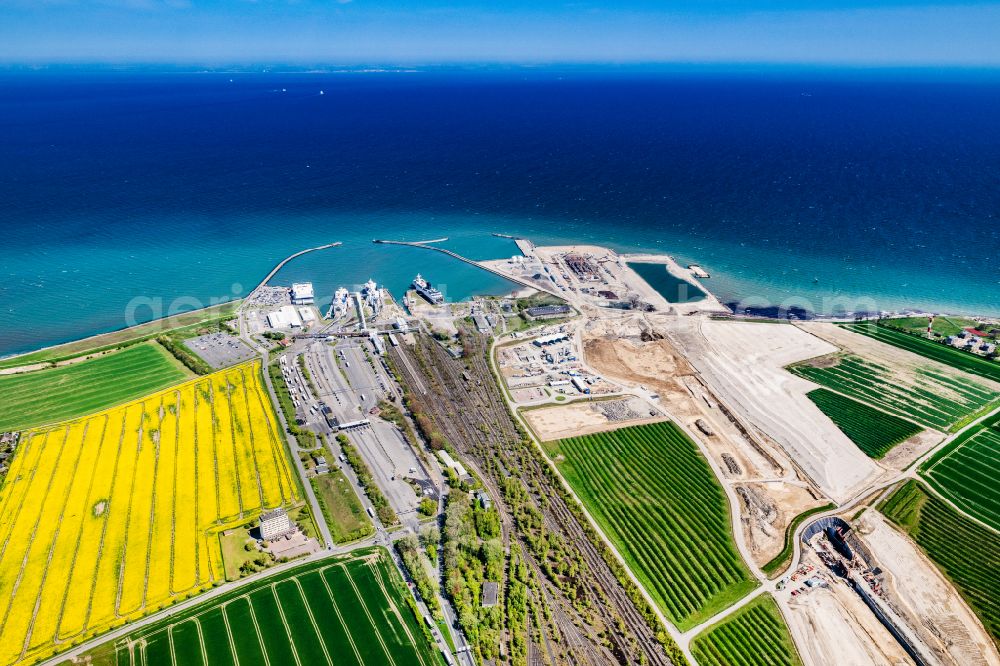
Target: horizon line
(332, 66)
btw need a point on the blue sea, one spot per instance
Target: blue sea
(127, 195)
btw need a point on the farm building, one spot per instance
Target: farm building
(274, 524)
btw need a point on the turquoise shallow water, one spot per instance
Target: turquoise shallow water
(128, 196)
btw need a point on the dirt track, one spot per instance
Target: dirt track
(583, 418)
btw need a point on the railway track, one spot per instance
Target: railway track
(595, 560)
(472, 415)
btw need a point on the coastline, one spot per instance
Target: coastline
(160, 324)
(777, 313)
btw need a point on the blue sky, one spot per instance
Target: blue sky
(850, 32)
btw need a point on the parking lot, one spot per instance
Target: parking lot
(220, 350)
(348, 384)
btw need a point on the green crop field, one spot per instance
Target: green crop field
(918, 325)
(933, 399)
(185, 321)
(752, 636)
(874, 431)
(47, 396)
(967, 471)
(346, 612)
(965, 551)
(657, 499)
(341, 507)
(938, 351)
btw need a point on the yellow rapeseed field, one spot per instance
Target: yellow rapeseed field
(115, 515)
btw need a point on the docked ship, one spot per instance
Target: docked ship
(430, 294)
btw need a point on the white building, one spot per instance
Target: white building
(302, 293)
(274, 524)
(286, 317)
(451, 463)
(376, 341)
(306, 315)
(550, 339)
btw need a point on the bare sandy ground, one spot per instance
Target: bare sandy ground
(744, 362)
(904, 453)
(921, 594)
(766, 510)
(529, 395)
(627, 351)
(582, 418)
(834, 627)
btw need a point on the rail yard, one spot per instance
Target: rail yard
(602, 467)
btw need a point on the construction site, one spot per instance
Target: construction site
(549, 366)
(588, 275)
(481, 383)
(864, 594)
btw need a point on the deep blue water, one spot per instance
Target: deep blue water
(883, 191)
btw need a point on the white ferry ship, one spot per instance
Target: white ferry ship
(430, 294)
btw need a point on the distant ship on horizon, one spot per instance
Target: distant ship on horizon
(424, 288)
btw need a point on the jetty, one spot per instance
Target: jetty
(418, 243)
(281, 264)
(489, 269)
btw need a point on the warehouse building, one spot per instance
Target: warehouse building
(546, 311)
(491, 592)
(286, 317)
(302, 293)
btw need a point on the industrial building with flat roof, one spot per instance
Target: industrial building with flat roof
(302, 293)
(285, 317)
(543, 311)
(491, 592)
(550, 339)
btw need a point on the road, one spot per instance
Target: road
(505, 276)
(293, 443)
(201, 598)
(359, 391)
(351, 386)
(766, 585)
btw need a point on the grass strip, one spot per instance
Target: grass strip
(782, 559)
